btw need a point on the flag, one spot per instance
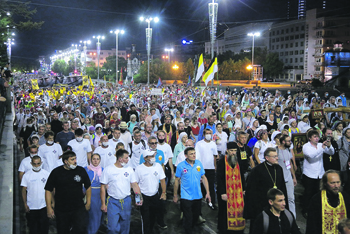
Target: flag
(35, 84)
(132, 80)
(91, 84)
(200, 68)
(209, 75)
(189, 81)
(159, 83)
(121, 77)
(85, 81)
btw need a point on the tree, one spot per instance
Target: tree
(272, 65)
(59, 66)
(189, 68)
(91, 70)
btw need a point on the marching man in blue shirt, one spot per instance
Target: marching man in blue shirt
(190, 172)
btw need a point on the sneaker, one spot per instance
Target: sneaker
(162, 226)
(200, 220)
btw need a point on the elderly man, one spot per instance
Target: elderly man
(328, 206)
(148, 132)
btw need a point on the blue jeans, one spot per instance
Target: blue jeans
(95, 213)
(118, 214)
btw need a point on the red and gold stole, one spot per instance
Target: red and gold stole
(168, 135)
(235, 202)
(331, 216)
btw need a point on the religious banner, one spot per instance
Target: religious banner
(299, 139)
(35, 84)
(86, 81)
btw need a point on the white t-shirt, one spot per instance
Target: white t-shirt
(206, 152)
(25, 165)
(148, 178)
(35, 183)
(262, 146)
(168, 153)
(113, 143)
(81, 149)
(136, 154)
(222, 142)
(50, 155)
(126, 137)
(118, 181)
(107, 155)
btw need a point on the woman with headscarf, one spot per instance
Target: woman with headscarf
(276, 135)
(177, 118)
(271, 123)
(337, 128)
(239, 124)
(155, 123)
(202, 120)
(282, 123)
(94, 171)
(293, 126)
(261, 145)
(180, 146)
(254, 125)
(132, 123)
(248, 119)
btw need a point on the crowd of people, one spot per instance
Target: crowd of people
(93, 152)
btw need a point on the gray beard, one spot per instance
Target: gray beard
(232, 160)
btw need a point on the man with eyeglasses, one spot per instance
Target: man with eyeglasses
(263, 177)
(285, 161)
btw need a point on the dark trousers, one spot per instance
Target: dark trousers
(38, 221)
(191, 210)
(150, 210)
(312, 186)
(210, 174)
(72, 221)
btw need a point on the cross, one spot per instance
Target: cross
(330, 158)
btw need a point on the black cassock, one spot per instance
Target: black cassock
(258, 184)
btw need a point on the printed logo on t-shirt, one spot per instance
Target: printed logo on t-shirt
(109, 154)
(77, 178)
(198, 168)
(155, 173)
(160, 158)
(126, 174)
(185, 170)
(54, 151)
(43, 180)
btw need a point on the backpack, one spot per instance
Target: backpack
(266, 219)
(130, 146)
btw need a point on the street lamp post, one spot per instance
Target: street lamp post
(84, 51)
(149, 40)
(169, 50)
(213, 15)
(116, 51)
(75, 55)
(253, 35)
(98, 44)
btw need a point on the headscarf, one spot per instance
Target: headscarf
(181, 136)
(273, 136)
(291, 121)
(97, 170)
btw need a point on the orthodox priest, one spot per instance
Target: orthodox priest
(230, 189)
(328, 206)
(168, 128)
(263, 177)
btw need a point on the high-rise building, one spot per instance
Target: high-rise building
(301, 9)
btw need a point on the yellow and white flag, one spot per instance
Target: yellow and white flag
(35, 84)
(200, 69)
(209, 75)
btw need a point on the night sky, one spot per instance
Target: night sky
(69, 21)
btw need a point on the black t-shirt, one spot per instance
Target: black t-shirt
(243, 155)
(68, 185)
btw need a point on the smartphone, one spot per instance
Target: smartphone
(329, 138)
(137, 198)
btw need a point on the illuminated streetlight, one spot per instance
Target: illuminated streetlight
(249, 67)
(256, 34)
(213, 15)
(148, 39)
(175, 67)
(169, 50)
(98, 44)
(84, 51)
(117, 31)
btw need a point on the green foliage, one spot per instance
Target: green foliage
(108, 68)
(91, 70)
(272, 65)
(59, 66)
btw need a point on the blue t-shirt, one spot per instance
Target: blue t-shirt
(159, 157)
(190, 179)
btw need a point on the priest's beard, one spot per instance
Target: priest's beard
(232, 160)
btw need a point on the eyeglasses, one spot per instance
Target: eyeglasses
(153, 143)
(273, 157)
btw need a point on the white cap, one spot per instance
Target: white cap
(148, 152)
